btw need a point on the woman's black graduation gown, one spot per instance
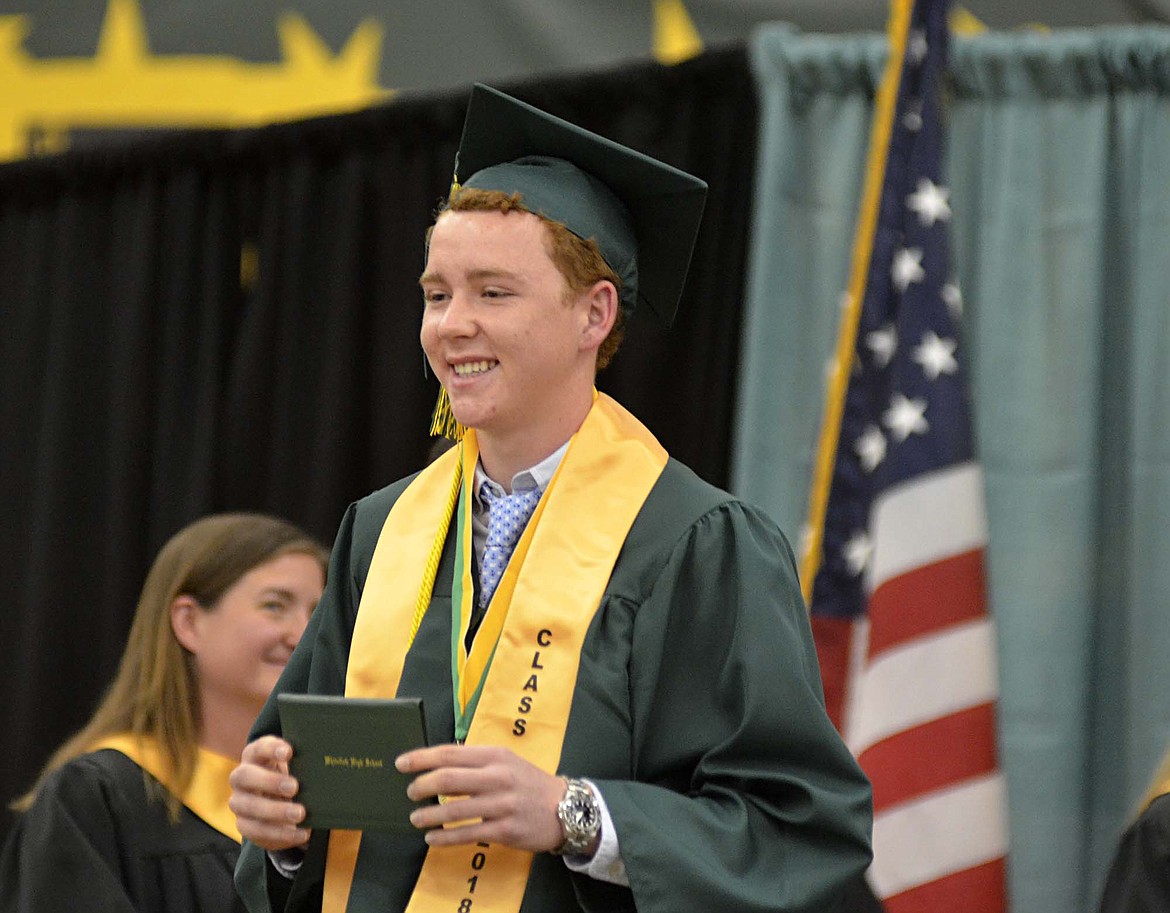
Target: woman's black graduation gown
(96, 839)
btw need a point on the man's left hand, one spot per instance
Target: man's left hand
(490, 794)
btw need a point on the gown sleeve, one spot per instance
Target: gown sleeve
(743, 796)
(317, 666)
(1139, 878)
(96, 840)
(63, 852)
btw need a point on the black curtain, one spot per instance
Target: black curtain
(224, 320)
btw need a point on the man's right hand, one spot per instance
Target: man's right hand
(262, 796)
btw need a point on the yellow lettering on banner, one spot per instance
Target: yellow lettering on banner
(125, 86)
(675, 37)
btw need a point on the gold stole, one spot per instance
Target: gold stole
(1160, 789)
(208, 793)
(542, 609)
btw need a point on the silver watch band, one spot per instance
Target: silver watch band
(579, 814)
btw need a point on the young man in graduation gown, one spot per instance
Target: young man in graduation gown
(624, 707)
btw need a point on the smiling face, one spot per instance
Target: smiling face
(514, 348)
(241, 644)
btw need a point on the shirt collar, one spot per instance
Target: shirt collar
(537, 476)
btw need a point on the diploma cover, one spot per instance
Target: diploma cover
(343, 758)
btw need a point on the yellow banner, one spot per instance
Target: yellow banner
(125, 86)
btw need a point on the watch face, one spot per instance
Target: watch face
(580, 818)
(583, 815)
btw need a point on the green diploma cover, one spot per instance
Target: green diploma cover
(343, 758)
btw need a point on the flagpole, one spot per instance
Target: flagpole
(898, 28)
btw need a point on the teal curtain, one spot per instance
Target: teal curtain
(1059, 167)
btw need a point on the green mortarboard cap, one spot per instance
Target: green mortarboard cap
(643, 214)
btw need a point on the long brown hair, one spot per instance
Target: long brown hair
(155, 693)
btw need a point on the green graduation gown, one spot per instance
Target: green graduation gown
(697, 712)
(96, 840)
(1139, 876)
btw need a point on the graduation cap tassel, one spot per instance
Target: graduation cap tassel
(443, 422)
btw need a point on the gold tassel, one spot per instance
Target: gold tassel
(432, 568)
(443, 421)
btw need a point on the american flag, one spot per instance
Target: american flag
(898, 599)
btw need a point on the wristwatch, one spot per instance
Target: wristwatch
(580, 816)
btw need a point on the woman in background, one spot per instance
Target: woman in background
(131, 813)
(1139, 878)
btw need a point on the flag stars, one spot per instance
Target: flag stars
(907, 268)
(857, 552)
(912, 118)
(917, 46)
(952, 297)
(905, 417)
(930, 202)
(883, 344)
(937, 356)
(870, 448)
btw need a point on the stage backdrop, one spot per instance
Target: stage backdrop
(1059, 152)
(229, 320)
(73, 72)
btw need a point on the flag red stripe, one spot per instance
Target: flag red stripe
(927, 599)
(975, 890)
(833, 637)
(931, 756)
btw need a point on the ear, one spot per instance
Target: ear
(185, 615)
(601, 310)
